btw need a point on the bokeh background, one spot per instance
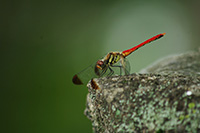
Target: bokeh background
(44, 43)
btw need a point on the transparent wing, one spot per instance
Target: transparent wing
(127, 67)
(120, 68)
(85, 75)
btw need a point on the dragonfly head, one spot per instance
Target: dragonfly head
(100, 65)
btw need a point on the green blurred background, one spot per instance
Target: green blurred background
(44, 43)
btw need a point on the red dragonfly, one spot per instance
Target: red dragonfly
(110, 61)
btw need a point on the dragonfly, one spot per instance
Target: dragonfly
(105, 65)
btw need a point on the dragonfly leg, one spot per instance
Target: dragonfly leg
(121, 67)
(126, 72)
(111, 72)
(103, 72)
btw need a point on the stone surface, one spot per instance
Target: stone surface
(165, 98)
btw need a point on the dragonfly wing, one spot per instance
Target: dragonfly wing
(127, 67)
(85, 75)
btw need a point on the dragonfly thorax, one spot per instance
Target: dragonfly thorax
(113, 58)
(103, 64)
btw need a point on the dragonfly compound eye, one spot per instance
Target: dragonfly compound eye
(99, 67)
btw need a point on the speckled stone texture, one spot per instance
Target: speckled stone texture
(165, 98)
